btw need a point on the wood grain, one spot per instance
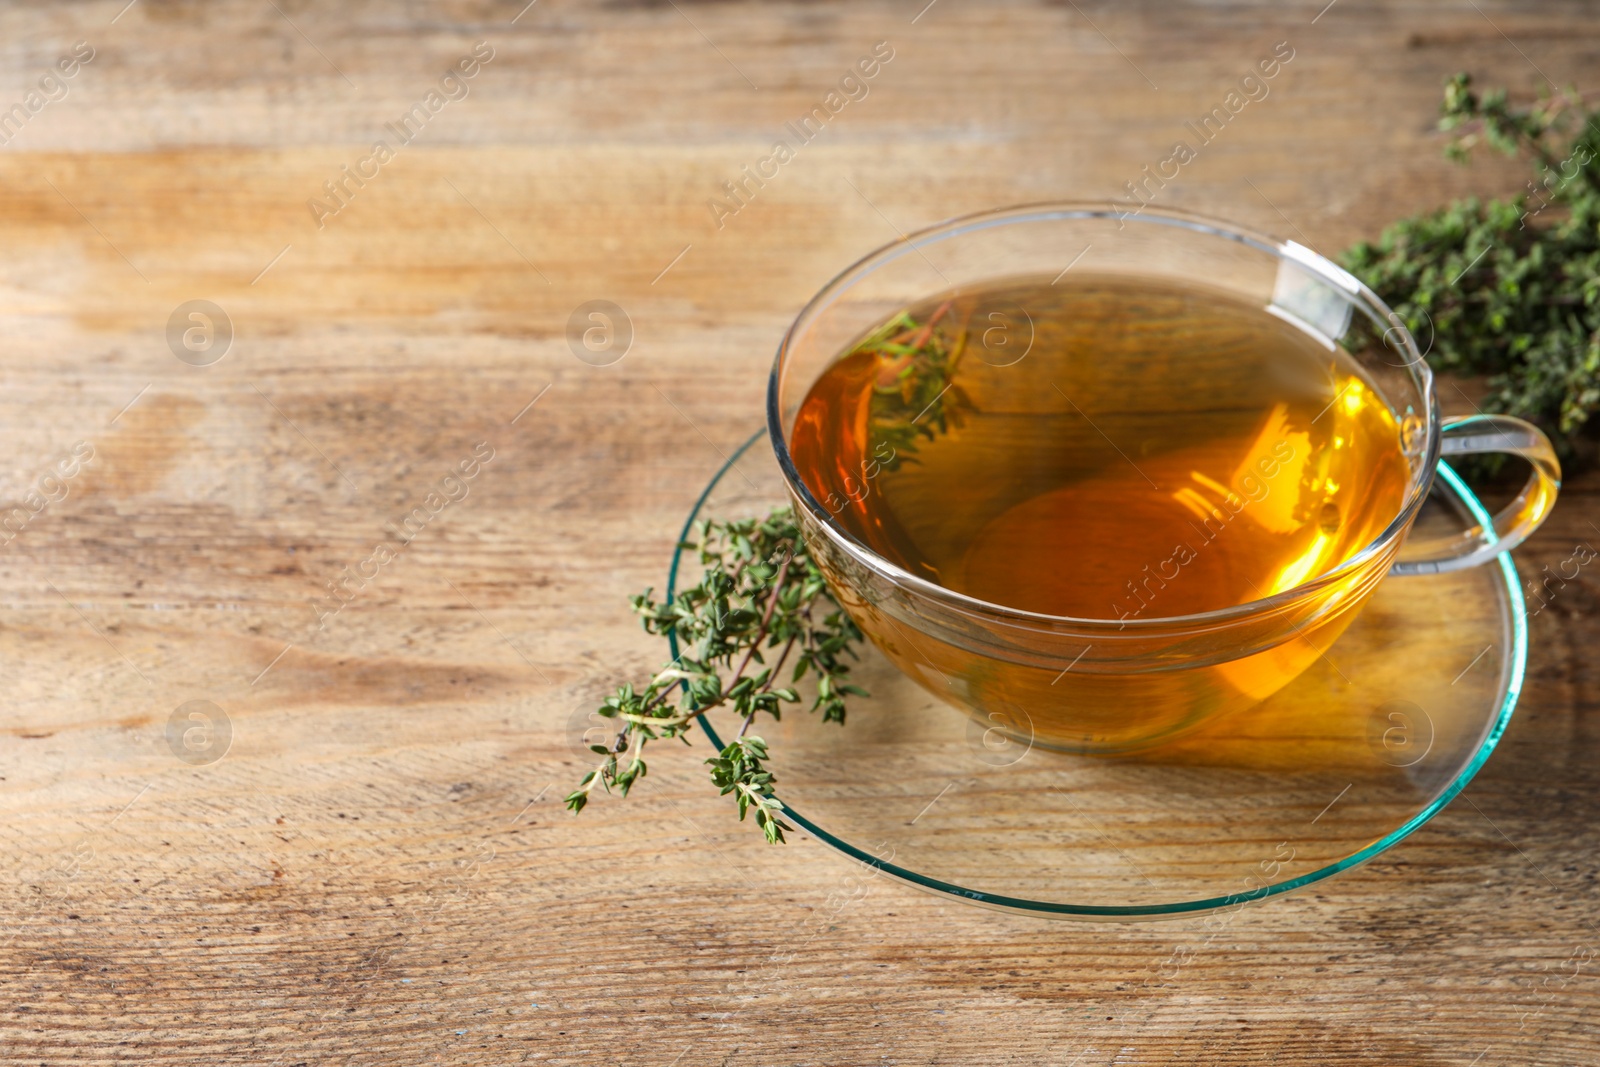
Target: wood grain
(378, 870)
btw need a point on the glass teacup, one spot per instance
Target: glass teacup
(1117, 684)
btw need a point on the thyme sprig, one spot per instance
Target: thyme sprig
(761, 592)
(915, 393)
(1508, 288)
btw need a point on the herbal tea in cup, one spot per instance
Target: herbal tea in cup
(1095, 506)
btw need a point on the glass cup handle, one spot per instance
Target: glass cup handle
(1489, 433)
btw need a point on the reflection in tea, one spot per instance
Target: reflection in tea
(1105, 449)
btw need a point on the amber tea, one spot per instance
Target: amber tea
(1101, 448)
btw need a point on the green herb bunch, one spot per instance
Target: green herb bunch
(1508, 288)
(761, 593)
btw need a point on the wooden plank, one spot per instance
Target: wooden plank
(378, 869)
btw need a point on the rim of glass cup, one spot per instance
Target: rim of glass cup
(1359, 294)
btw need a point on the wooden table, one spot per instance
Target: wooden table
(379, 870)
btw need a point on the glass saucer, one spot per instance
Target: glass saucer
(1342, 764)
